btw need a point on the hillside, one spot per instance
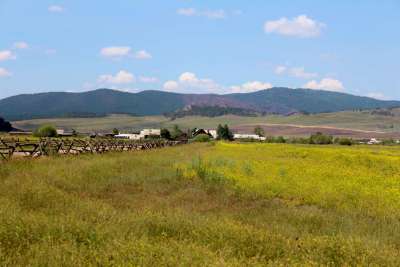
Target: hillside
(105, 101)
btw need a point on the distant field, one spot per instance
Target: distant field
(204, 205)
(363, 121)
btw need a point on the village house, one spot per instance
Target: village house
(143, 134)
(62, 132)
(373, 141)
(248, 136)
(211, 133)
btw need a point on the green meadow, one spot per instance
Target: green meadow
(210, 204)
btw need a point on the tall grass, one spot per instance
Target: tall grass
(200, 205)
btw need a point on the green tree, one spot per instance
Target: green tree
(259, 131)
(46, 131)
(224, 133)
(343, 141)
(5, 126)
(321, 139)
(115, 131)
(165, 134)
(176, 132)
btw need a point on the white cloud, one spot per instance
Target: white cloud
(250, 87)
(56, 9)
(328, 84)
(145, 79)
(188, 77)
(118, 52)
(122, 77)
(186, 12)
(188, 82)
(377, 95)
(171, 86)
(301, 73)
(5, 73)
(301, 26)
(211, 14)
(143, 54)
(20, 45)
(280, 69)
(115, 51)
(298, 72)
(6, 55)
(215, 14)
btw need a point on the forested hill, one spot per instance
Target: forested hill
(105, 101)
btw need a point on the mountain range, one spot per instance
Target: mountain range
(101, 102)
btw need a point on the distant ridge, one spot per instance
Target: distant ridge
(105, 101)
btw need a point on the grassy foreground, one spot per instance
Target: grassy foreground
(204, 204)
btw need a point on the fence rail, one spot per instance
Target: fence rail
(13, 148)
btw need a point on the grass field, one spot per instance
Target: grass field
(349, 120)
(214, 204)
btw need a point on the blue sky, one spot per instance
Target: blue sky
(200, 46)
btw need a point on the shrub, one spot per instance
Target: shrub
(344, 141)
(165, 134)
(46, 131)
(273, 139)
(299, 140)
(320, 139)
(388, 142)
(202, 138)
(5, 126)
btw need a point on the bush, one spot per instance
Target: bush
(5, 126)
(344, 141)
(202, 138)
(389, 142)
(277, 139)
(299, 140)
(46, 131)
(165, 134)
(321, 139)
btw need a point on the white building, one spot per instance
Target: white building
(248, 136)
(128, 136)
(150, 132)
(213, 133)
(142, 135)
(373, 141)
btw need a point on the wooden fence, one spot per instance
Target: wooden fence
(13, 148)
